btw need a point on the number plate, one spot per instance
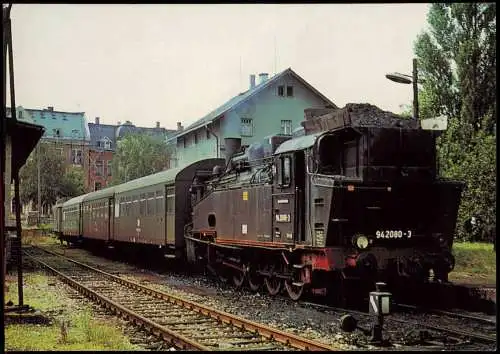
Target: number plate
(393, 234)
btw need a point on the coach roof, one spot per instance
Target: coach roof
(162, 177)
(102, 193)
(74, 201)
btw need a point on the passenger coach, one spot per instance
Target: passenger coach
(71, 228)
(97, 210)
(152, 210)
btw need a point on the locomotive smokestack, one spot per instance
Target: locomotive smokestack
(232, 145)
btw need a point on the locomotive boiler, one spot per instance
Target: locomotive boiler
(356, 199)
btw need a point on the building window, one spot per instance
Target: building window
(208, 133)
(97, 186)
(104, 143)
(289, 91)
(60, 151)
(286, 127)
(56, 132)
(76, 156)
(99, 166)
(281, 90)
(109, 168)
(246, 127)
(20, 114)
(195, 138)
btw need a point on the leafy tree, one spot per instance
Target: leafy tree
(74, 182)
(139, 155)
(55, 182)
(457, 62)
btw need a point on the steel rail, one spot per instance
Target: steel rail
(227, 318)
(448, 313)
(481, 337)
(174, 338)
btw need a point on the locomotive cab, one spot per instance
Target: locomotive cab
(375, 193)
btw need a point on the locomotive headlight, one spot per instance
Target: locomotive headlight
(361, 241)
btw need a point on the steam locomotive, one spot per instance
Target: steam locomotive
(356, 198)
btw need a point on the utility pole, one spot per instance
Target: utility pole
(38, 183)
(415, 89)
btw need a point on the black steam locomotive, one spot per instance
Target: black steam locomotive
(357, 198)
(354, 199)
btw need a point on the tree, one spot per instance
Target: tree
(457, 62)
(139, 155)
(73, 182)
(55, 182)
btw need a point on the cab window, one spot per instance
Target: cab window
(284, 171)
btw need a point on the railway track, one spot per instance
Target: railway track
(458, 325)
(182, 323)
(459, 315)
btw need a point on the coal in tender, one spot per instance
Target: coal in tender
(355, 115)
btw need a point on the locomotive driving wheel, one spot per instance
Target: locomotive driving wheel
(273, 283)
(296, 284)
(238, 278)
(254, 278)
(294, 289)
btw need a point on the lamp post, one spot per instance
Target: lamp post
(407, 79)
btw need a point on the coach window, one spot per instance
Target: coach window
(159, 202)
(170, 200)
(127, 203)
(136, 205)
(151, 203)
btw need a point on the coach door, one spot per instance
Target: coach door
(170, 214)
(111, 216)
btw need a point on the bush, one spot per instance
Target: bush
(474, 164)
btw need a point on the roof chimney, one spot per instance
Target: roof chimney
(252, 81)
(157, 124)
(262, 78)
(96, 120)
(179, 126)
(50, 108)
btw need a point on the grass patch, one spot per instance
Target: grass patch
(475, 261)
(49, 239)
(72, 329)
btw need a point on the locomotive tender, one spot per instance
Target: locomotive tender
(357, 198)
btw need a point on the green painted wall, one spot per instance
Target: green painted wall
(266, 109)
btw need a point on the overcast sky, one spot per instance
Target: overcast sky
(169, 63)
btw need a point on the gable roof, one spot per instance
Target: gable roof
(233, 102)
